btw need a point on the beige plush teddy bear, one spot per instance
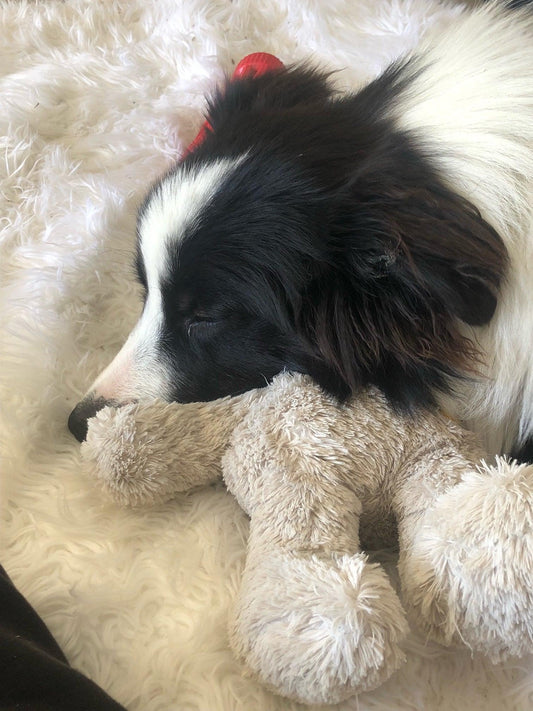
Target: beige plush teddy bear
(315, 620)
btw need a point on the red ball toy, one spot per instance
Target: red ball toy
(253, 65)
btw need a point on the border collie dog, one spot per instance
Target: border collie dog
(383, 237)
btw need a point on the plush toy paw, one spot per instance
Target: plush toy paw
(317, 629)
(468, 574)
(121, 460)
(143, 455)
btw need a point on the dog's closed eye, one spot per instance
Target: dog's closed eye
(201, 324)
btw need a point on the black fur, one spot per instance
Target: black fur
(524, 452)
(516, 4)
(334, 248)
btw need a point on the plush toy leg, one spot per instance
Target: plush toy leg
(467, 560)
(315, 627)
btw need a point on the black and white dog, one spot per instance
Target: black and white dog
(379, 237)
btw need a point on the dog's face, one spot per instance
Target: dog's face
(307, 234)
(225, 248)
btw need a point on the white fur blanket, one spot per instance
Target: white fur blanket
(97, 97)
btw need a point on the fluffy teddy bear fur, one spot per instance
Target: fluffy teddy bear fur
(97, 98)
(313, 619)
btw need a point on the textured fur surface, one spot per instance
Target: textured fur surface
(357, 237)
(313, 619)
(98, 98)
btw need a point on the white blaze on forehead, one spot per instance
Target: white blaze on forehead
(175, 205)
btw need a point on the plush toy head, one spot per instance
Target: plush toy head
(315, 620)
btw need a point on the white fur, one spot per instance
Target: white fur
(173, 208)
(97, 99)
(313, 620)
(137, 372)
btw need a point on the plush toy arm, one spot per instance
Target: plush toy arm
(146, 453)
(466, 550)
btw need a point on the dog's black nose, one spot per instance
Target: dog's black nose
(84, 410)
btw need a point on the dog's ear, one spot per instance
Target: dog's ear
(429, 239)
(406, 264)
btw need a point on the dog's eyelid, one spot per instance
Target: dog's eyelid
(201, 321)
(203, 317)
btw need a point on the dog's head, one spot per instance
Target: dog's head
(305, 233)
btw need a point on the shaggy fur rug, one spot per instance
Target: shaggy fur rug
(97, 97)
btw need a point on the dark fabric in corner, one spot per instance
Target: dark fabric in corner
(34, 673)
